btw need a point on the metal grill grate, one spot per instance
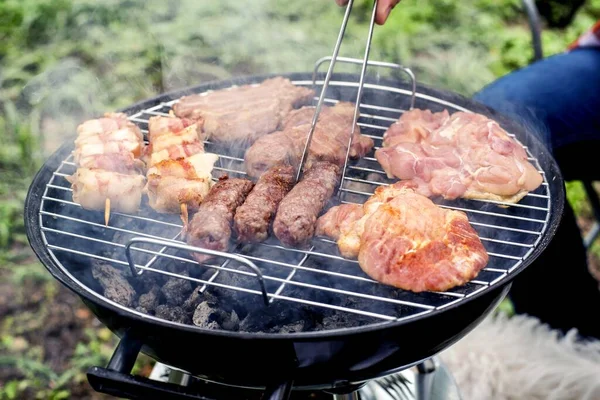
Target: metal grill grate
(509, 234)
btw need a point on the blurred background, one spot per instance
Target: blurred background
(62, 61)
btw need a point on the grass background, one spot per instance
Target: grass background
(62, 61)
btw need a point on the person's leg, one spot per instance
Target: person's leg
(562, 95)
(559, 97)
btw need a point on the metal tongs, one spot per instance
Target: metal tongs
(364, 62)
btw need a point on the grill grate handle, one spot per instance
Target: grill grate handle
(180, 246)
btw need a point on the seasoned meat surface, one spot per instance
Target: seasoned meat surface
(329, 141)
(243, 114)
(210, 227)
(337, 219)
(407, 241)
(253, 218)
(172, 138)
(463, 155)
(296, 218)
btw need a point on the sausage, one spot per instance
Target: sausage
(253, 218)
(210, 227)
(296, 217)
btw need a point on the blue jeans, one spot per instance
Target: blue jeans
(560, 95)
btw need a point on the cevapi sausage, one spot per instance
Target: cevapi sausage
(297, 215)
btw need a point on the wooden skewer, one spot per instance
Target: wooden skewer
(184, 216)
(106, 211)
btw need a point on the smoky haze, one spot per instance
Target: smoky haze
(165, 46)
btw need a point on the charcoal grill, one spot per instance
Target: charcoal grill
(364, 330)
(398, 329)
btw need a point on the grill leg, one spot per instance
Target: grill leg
(349, 396)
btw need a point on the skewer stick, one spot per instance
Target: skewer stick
(106, 211)
(184, 215)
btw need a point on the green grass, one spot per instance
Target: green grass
(62, 61)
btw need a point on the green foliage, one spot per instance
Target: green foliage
(62, 61)
(577, 198)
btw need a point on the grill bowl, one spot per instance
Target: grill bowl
(329, 357)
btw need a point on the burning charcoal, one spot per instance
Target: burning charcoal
(150, 300)
(278, 317)
(114, 283)
(175, 314)
(176, 290)
(192, 302)
(147, 280)
(142, 310)
(241, 301)
(232, 323)
(292, 328)
(210, 315)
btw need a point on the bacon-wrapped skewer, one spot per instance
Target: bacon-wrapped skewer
(109, 169)
(179, 171)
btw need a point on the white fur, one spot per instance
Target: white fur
(520, 358)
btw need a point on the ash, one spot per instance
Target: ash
(190, 301)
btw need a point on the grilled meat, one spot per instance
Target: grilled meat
(243, 114)
(463, 155)
(406, 241)
(329, 141)
(180, 172)
(173, 138)
(91, 188)
(110, 122)
(297, 214)
(338, 219)
(253, 218)
(210, 228)
(109, 169)
(172, 183)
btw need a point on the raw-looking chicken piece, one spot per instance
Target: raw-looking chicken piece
(242, 114)
(91, 188)
(406, 241)
(329, 141)
(296, 218)
(187, 181)
(210, 227)
(253, 218)
(465, 155)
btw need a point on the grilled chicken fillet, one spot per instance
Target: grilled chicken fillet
(405, 240)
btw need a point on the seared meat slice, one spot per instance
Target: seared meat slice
(329, 141)
(465, 155)
(253, 218)
(296, 218)
(210, 228)
(407, 241)
(243, 114)
(338, 219)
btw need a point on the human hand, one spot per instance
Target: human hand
(384, 7)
